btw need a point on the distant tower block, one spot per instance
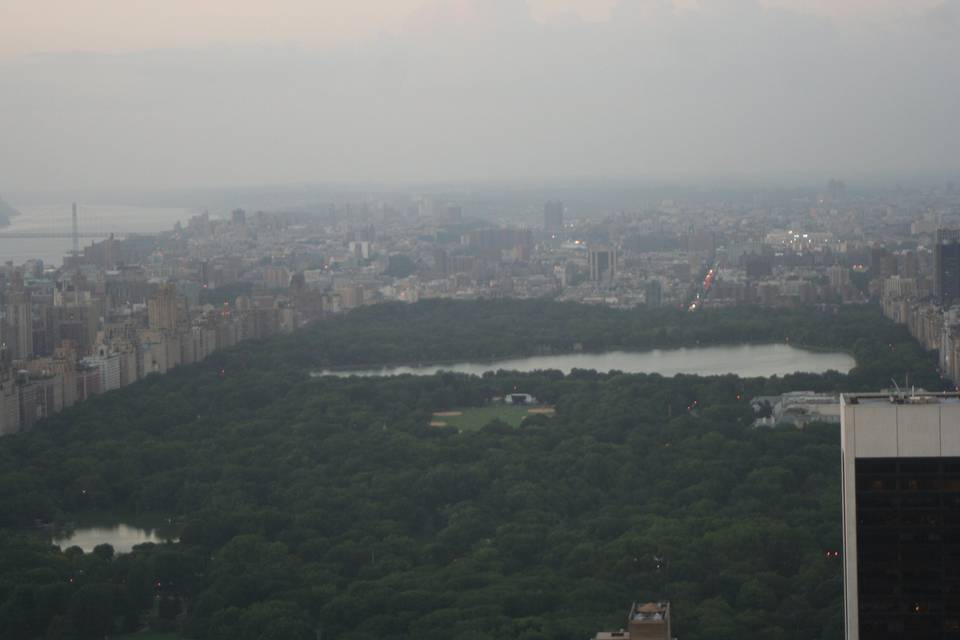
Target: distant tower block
(603, 263)
(553, 216)
(76, 232)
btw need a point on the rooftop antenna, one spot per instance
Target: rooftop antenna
(76, 233)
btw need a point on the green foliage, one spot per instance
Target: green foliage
(400, 266)
(473, 418)
(445, 330)
(329, 506)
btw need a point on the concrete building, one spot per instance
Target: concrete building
(798, 408)
(519, 399)
(351, 297)
(603, 263)
(839, 276)
(553, 216)
(946, 270)
(650, 621)
(901, 509)
(162, 310)
(9, 403)
(20, 320)
(109, 365)
(39, 398)
(88, 382)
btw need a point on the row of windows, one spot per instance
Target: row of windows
(895, 536)
(908, 466)
(908, 530)
(908, 622)
(926, 609)
(925, 518)
(871, 483)
(908, 500)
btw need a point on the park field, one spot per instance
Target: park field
(474, 418)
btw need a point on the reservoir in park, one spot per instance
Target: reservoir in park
(744, 360)
(123, 534)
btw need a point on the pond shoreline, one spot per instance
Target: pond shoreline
(473, 366)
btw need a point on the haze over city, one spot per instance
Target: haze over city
(179, 94)
(479, 319)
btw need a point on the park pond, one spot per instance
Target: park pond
(121, 533)
(743, 360)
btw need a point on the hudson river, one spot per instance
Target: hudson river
(92, 219)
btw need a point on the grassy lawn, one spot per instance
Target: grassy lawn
(473, 418)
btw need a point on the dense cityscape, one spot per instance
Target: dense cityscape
(122, 309)
(480, 320)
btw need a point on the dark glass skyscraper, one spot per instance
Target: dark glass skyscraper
(901, 516)
(946, 272)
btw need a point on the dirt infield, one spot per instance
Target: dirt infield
(437, 423)
(447, 414)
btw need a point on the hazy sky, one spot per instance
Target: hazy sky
(171, 93)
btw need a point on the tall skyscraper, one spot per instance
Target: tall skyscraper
(901, 515)
(163, 310)
(20, 310)
(946, 266)
(553, 216)
(603, 263)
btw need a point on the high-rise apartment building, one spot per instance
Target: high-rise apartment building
(603, 263)
(20, 319)
(901, 515)
(163, 309)
(553, 216)
(839, 276)
(946, 266)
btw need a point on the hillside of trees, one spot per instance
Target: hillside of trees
(329, 508)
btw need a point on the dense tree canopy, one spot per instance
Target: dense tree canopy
(329, 506)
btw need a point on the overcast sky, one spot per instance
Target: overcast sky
(179, 93)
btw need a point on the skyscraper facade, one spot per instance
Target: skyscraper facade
(603, 263)
(162, 309)
(553, 216)
(901, 515)
(946, 272)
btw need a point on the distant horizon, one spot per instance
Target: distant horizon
(418, 93)
(871, 181)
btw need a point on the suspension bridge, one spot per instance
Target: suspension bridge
(75, 234)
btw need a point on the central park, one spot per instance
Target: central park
(415, 506)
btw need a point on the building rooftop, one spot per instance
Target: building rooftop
(651, 612)
(901, 396)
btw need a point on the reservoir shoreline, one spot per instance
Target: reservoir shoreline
(472, 366)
